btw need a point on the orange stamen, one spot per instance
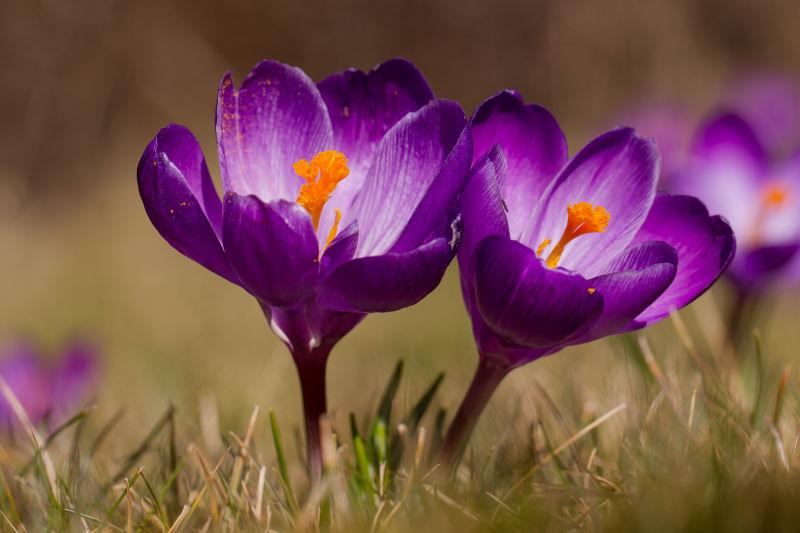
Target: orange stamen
(322, 174)
(582, 218)
(335, 228)
(775, 195)
(540, 249)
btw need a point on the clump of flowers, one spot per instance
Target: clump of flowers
(560, 251)
(48, 389)
(339, 200)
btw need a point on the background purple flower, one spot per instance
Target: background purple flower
(558, 252)
(770, 102)
(48, 388)
(339, 200)
(732, 171)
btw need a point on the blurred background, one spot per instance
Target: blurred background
(86, 84)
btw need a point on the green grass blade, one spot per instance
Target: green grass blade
(291, 502)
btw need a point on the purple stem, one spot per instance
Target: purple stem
(311, 370)
(487, 377)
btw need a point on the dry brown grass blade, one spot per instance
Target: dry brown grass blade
(36, 439)
(563, 446)
(241, 456)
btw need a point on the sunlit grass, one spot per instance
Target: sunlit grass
(687, 438)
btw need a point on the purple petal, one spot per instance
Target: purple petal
(526, 303)
(363, 107)
(386, 282)
(26, 376)
(752, 269)
(272, 248)
(771, 103)
(276, 118)
(618, 171)
(637, 277)
(75, 376)
(482, 209)
(726, 171)
(534, 146)
(436, 213)
(726, 136)
(180, 199)
(407, 161)
(341, 249)
(705, 246)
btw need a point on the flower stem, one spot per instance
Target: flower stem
(740, 320)
(311, 371)
(487, 377)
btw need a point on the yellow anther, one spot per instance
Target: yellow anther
(335, 228)
(322, 174)
(582, 218)
(591, 290)
(540, 249)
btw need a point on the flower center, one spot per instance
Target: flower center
(322, 174)
(774, 196)
(582, 218)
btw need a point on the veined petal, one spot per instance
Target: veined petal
(534, 146)
(618, 170)
(363, 107)
(271, 247)
(276, 118)
(436, 213)
(386, 282)
(180, 200)
(637, 277)
(407, 161)
(524, 302)
(705, 246)
(482, 209)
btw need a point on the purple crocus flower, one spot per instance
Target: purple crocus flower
(340, 199)
(731, 171)
(47, 389)
(558, 252)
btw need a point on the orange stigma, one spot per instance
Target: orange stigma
(775, 195)
(582, 218)
(322, 174)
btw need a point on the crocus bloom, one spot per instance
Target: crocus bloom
(731, 171)
(49, 389)
(557, 252)
(340, 200)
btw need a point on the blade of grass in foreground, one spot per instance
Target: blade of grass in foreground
(282, 468)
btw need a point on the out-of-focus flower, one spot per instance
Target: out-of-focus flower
(558, 252)
(340, 200)
(731, 171)
(770, 102)
(671, 125)
(48, 389)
